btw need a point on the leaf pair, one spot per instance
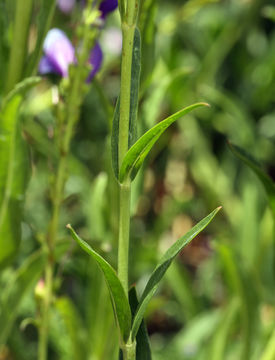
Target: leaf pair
(127, 326)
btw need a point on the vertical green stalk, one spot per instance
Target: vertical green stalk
(75, 95)
(19, 42)
(128, 12)
(124, 226)
(128, 30)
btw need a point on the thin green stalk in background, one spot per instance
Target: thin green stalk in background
(19, 48)
(64, 138)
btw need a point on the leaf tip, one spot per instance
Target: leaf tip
(69, 226)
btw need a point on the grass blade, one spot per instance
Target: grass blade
(119, 299)
(138, 152)
(163, 265)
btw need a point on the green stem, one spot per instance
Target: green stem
(124, 226)
(19, 42)
(125, 89)
(129, 351)
(125, 189)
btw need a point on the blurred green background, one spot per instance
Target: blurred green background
(218, 299)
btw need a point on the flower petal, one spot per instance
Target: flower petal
(107, 6)
(46, 66)
(95, 60)
(59, 51)
(66, 6)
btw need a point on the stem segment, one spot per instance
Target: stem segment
(125, 189)
(124, 225)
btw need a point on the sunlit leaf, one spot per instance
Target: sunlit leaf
(163, 265)
(138, 152)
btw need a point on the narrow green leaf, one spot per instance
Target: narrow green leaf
(222, 334)
(143, 350)
(118, 297)
(26, 277)
(135, 78)
(138, 152)
(14, 171)
(267, 182)
(163, 265)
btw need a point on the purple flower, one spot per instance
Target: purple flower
(66, 6)
(106, 6)
(59, 53)
(95, 60)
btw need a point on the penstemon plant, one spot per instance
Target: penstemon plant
(218, 300)
(128, 155)
(77, 67)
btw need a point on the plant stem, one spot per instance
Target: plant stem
(124, 189)
(129, 351)
(124, 225)
(19, 43)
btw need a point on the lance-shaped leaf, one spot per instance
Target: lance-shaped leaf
(163, 265)
(138, 152)
(267, 182)
(118, 297)
(143, 350)
(14, 171)
(135, 77)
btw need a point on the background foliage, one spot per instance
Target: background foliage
(217, 300)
